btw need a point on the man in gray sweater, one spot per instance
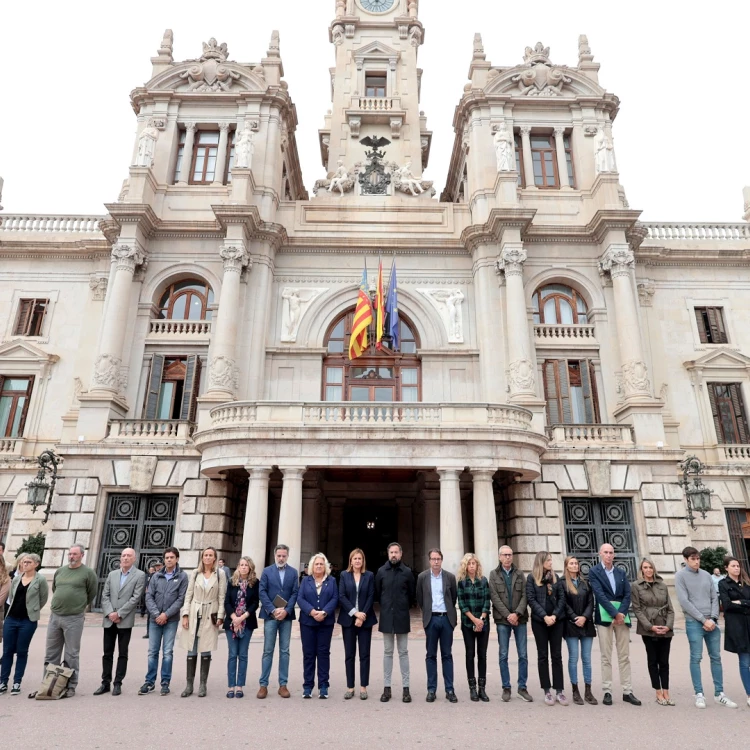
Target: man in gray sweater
(700, 603)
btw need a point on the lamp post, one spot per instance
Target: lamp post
(697, 494)
(39, 490)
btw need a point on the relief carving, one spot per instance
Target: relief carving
(541, 78)
(635, 378)
(107, 372)
(521, 375)
(209, 74)
(296, 304)
(449, 303)
(222, 374)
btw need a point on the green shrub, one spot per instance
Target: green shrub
(713, 557)
(33, 544)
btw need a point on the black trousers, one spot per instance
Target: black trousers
(476, 643)
(353, 636)
(657, 652)
(549, 644)
(121, 636)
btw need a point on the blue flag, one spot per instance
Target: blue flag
(391, 309)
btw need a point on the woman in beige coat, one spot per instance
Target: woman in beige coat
(202, 617)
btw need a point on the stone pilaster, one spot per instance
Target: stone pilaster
(485, 519)
(451, 525)
(528, 162)
(187, 154)
(256, 515)
(290, 517)
(562, 164)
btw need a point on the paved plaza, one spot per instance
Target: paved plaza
(170, 722)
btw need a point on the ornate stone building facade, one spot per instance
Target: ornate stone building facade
(185, 354)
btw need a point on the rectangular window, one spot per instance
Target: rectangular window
(544, 161)
(409, 384)
(15, 393)
(569, 161)
(30, 317)
(711, 328)
(570, 392)
(173, 387)
(728, 411)
(519, 161)
(375, 84)
(206, 151)
(180, 157)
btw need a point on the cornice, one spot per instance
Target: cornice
(254, 227)
(703, 257)
(500, 218)
(88, 250)
(140, 214)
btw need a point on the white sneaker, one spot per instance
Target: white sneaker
(723, 700)
(748, 700)
(700, 701)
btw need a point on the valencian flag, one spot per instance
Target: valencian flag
(391, 309)
(362, 320)
(379, 308)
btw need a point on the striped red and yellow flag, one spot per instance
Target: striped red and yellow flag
(379, 309)
(362, 320)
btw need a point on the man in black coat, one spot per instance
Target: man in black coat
(394, 589)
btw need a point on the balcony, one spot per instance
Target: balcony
(12, 446)
(553, 334)
(695, 231)
(51, 224)
(179, 331)
(151, 431)
(586, 435)
(735, 452)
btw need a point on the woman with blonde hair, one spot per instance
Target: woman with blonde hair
(546, 597)
(4, 591)
(202, 617)
(317, 598)
(474, 603)
(579, 629)
(240, 603)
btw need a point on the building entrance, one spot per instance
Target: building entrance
(370, 526)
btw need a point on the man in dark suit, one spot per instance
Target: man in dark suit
(611, 588)
(278, 580)
(436, 596)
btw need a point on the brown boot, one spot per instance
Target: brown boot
(577, 696)
(589, 697)
(262, 692)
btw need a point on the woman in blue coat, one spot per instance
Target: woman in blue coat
(356, 617)
(317, 599)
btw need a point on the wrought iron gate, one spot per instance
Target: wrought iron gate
(143, 522)
(591, 522)
(6, 510)
(737, 519)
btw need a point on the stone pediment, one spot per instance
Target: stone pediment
(720, 359)
(541, 80)
(208, 76)
(19, 350)
(376, 51)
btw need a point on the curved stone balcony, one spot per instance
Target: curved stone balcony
(418, 435)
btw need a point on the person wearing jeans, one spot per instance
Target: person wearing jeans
(734, 594)
(700, 603)
(510, 613)
(240, 604)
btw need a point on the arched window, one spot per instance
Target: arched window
(559, 304)
(378, 375)
(189, 299)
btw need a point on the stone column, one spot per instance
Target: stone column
(260, 289)
(290, 517)
(187, 154)
(451, 525)
(521, 367)
(335, 551)
(488, 303)
(618, 261)
(485, 520)
(311, 497)
(109, 360)
(256, 516)
(562, 164)
(406, 529)
(221, 157)
(528, 162)
(222, 363)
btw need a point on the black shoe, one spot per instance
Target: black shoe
(103, 688)
(630, 698)
(146, 688)
(145, 636)
(451, 696)
(386, 695)
(116, 689)
(430, 696)
(607, 699)
(164, 690)
(407, 696)
(3, 687)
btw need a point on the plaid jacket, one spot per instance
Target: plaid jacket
(475, 598)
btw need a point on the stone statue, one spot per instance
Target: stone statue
(294, 308)
(504, 149)
(408, 181)
(604, 151)
(449, 303)
(296, 303)
(340, 178)
(146, 146)
(244, 148)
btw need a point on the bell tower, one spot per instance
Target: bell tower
(375, 85)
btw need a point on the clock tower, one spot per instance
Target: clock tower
(375, 85)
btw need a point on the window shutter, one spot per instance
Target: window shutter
(588, 391)
(25, 309)
(739, 412)
(716, 324)
(27, 401)
(699, 319)
(154, 385)
(711, 388)
(550, 392)
(562, 369)
(190, 389)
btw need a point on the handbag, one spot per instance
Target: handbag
(54, 683)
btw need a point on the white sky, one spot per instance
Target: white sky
(67, 128)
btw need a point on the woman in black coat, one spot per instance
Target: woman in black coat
(240, 604)
(579, 630)
(546, 598)
(734, 592)
(356, 617)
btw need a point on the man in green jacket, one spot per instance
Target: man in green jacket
(73, 589)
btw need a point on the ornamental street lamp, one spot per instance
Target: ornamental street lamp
(697, 494)
(39, 490)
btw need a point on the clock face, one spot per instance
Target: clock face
(377, 6)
